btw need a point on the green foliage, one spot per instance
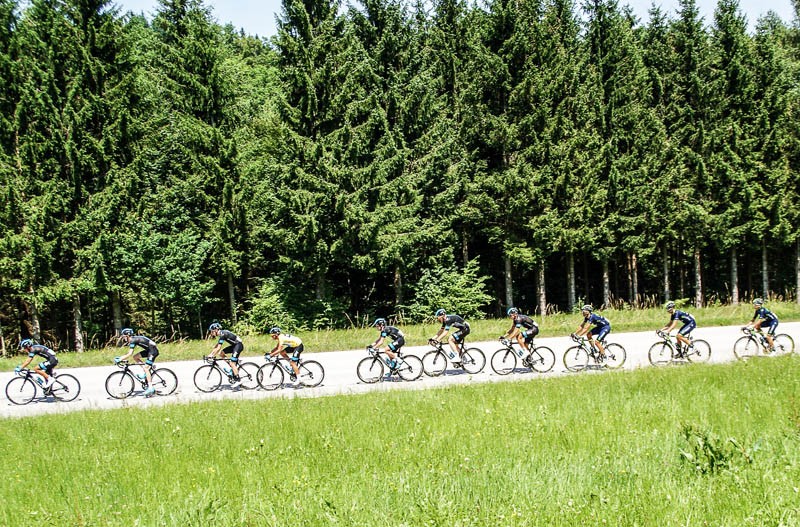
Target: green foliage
(269, 308)
(705, 453)
(458, 291)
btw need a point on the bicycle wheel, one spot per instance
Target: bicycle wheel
(660, 353)
(164, 381)
(207, 378)
(542, 359)
(503, 361)
(473, 360)
(311, 373)
(120, 384)
(745, 347)
(615, 356)
(434, 363)
(701, 351)
(270, 376)
(370, 369)
(576, 358)
(784, 344)
(66, 387)
(20, 390)
(248, 375)
(410, 368)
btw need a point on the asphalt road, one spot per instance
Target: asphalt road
(340, 374)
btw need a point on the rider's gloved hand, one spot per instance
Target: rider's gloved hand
(116, 360)
(18, 369)
(572, 336)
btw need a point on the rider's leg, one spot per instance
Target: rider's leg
(454, 347)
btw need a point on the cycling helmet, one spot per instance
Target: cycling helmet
(758, 301)
(670, 305)
(588, 308)
(215, 325)
(127, 332)
(440, 313)
(512, 311)
(27, 343)
(275, 331)
(379, 322)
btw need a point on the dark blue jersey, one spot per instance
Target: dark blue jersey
(683, 316)
(597, 320)
(42, 351)
(766, 314)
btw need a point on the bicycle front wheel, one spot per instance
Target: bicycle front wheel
(248, 375)
(207, 378)
(783, 344)
(370, 370)
(164, 381)
(120, 384)
(660, 354)
(66, 388)
(615, 356)
(410, 368)
(542, 359)
(434, 363)
(473, 360)
(701, 352)
(745, 347)
(20, 390)
(311, 373)
(504, 361)
(270, 376)
(576, 358)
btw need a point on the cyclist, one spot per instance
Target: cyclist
(235, 347)
(393, 348)
(457, 337)
(45, 368)
(149, 350)
(689, 324)
(602, 327)
(766, 319)
(524, 336)
(287, 344)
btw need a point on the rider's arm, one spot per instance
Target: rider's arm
(26, 362)
(378, 342)
(215, 350)
(669, 327)
(440, 334)
(276, 350)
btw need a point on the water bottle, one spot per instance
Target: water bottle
(227, 370)
(520, 352)
(452, 355)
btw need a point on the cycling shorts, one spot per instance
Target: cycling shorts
(48, 365)
(234, 350)
(528, 334)
(397, 344)
(770, 326)
(687, 328)
(294, 352)
(600, 332)
(461, 334)
(150, 355)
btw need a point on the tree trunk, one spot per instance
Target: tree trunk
(764, 271)
(797, 271)
(33, 311)
(698, 279)
(116, 310)
(681, 271)
(571, 281)
(665, 270)
(464, 248)
(635, 272)
(606, 285)
(540, 288)
(232, 297)
(398, 286)
(734, 277)
(629, 277)
(320, 289)
(2, 342)
(508, 281)
(78, 323)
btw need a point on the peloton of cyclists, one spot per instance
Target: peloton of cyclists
(44, 368)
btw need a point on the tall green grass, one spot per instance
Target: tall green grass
(344, 339)
(694, 445)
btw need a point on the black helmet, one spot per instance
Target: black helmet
(215, 326)
(127, 332)
(588, 308)
(440, 313)
(670, 305)
(512, 311)
(379, 322)
(758, 301)
(275, 331)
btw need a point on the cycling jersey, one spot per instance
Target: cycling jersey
(524, 321)
(597, 320)
(149, 347)
(229, 337)
(42, 351)
(454, 321)
(766, 314)
(289, 341)
(398, 339)
(683, 316)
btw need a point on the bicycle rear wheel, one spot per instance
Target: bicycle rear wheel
(248, 375)
(311, 373)
(120, 384)
(700, 352)
(434, 363)
(745, 347)
(542, 359)
(784, 344)
(20, 390)
(207, 378)
(66, 387)
(503, 361)
(410, 368)
(615, 356)
(370, 370)
(660, 354)
(164, 381)
(473, 360)
(576, 358)
(270, 376)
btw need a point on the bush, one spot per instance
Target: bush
(462, 292)
(269, 309)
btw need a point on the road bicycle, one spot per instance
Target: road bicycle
(577, 357)
(120, 384)
(208, 377)
(434, 362)
(271, 375)
(666, 351)
(22, 389)
(504, 360)
(370, 369)
(755, 343)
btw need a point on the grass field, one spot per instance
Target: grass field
(692, 445)
(348, 339)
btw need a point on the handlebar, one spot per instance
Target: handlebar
(576, 338)
(435, 343)
(506, 342)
